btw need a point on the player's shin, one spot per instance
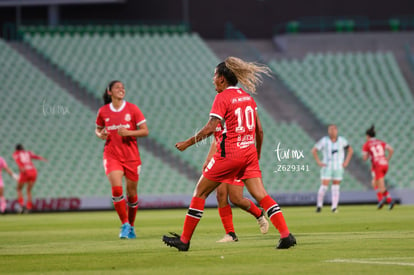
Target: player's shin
(119, 203)
(195, 213)
(275, 215)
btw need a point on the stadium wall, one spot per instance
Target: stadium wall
(255, 18)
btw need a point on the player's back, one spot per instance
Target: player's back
(376, 149)
(239, 122)
(23, 159)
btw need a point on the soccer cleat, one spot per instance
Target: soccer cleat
(287, 242)
(131, 234)
(176, 242)
(381, 203)
(125, 229)
(391, 206)
(263, 223)
(230, 237)
(334, 210)
(318, 209)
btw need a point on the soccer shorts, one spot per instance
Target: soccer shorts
(332, 174)
(131, 169)
(379, 171)
(28, 176)
(227, 170)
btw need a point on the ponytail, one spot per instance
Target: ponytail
(371, 131)
(248, 73)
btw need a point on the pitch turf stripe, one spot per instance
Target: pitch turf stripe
(356, 261)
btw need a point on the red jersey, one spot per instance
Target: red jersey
(376, 150)
(237, 111)
(128, 116)
(24, 159)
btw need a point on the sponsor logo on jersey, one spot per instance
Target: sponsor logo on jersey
(107, 119)
(116, 127)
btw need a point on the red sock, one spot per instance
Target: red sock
(29, 205)
(195, 212)
(387, 195)
(379, 194)
(132, 209)
(275, 215)
(119, 203)
(226, 218)
(21, 201)
(254, 210)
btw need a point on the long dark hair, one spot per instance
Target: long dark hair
(371, 131)
(19, 147)
(230, 77)
(106, 97)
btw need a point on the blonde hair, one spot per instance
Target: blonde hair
(249, 74)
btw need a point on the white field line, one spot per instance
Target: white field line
(376, 261)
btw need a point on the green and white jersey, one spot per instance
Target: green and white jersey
(333, 152)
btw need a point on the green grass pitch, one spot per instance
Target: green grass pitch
(357, 240)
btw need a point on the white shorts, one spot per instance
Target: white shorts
(332, 174)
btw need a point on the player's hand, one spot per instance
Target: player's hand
(321, 164)
(345, 164)
(103, 134)
(123, 132)
(15, 177)
(181, 145)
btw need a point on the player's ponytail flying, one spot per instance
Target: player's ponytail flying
(249, 74)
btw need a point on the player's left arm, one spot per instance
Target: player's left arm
(205, 132)
(10, 172)
(259, 135)
(349, 152)
(390, 151)
(34, 156)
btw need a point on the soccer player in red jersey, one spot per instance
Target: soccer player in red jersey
(223, 192)
(237, 157)
(3, 165)
(28, 175)
(120, 123)
(376, 150)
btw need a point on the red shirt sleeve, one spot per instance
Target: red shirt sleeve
(34, 156)
(99, 119)
(219, 107)
(138, 116)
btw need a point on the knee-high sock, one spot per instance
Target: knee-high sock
(119, 203)
(254, 210)
(379, 194)
(195, 213)
(275, 215)
(335, 195)
(227, 218)
(387, 195)
(132, 209)
(321, 194)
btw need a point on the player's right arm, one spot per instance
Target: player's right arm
(101, 132)
(315, 154)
